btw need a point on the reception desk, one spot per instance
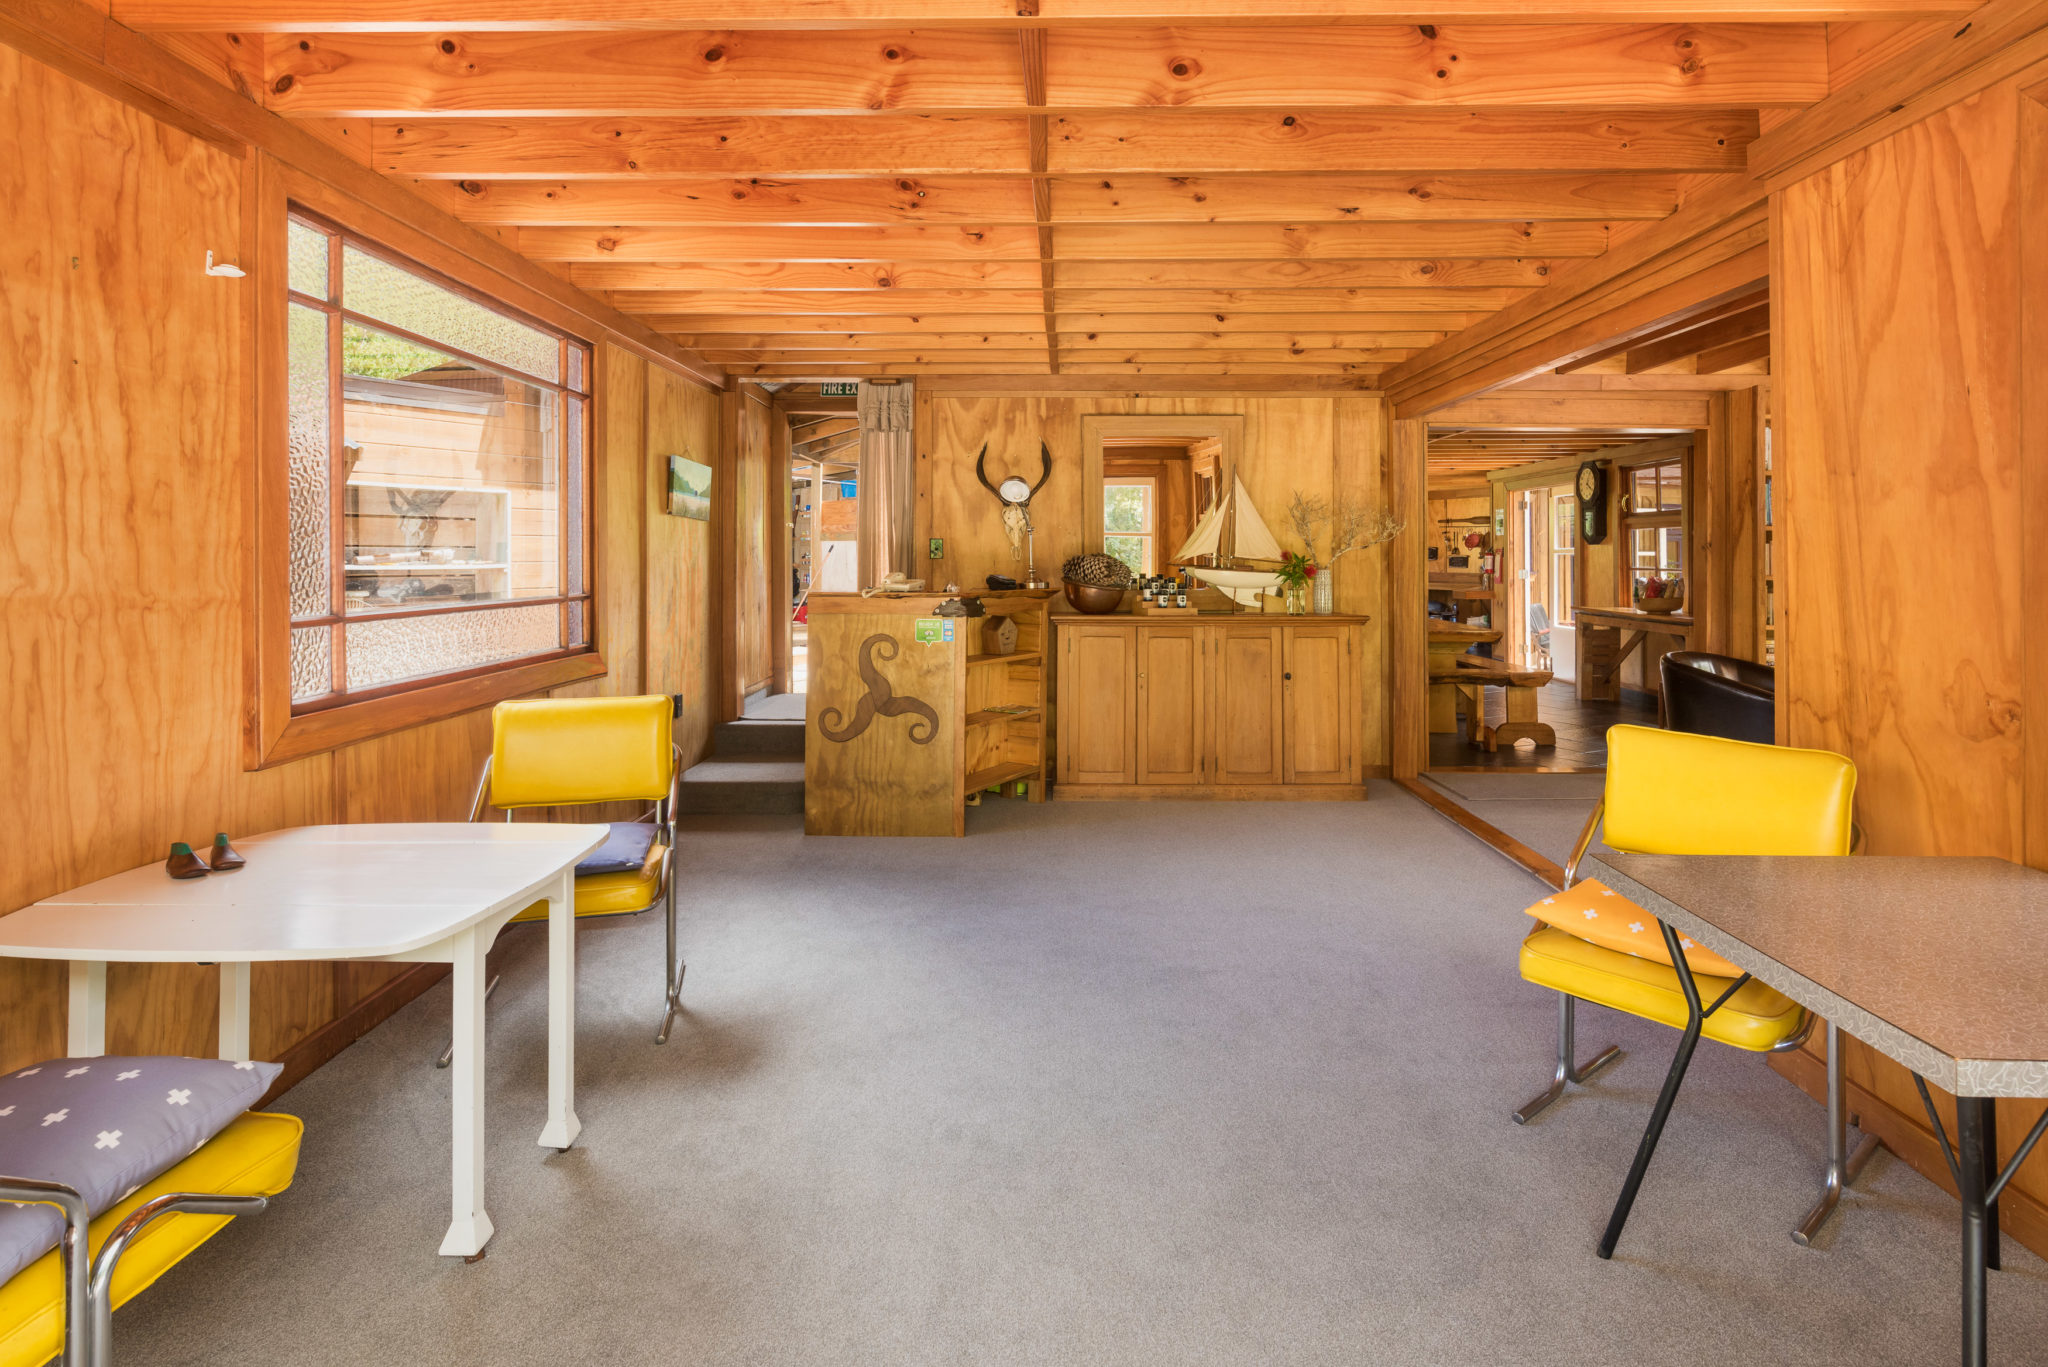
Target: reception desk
(907, 713)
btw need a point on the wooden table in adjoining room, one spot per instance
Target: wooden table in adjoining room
(1608, 636)
(1447, 641)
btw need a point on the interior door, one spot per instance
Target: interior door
(1098, 704)
(1170, 679)
(1246, 737)
(1321, 690)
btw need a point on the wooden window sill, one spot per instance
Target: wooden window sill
(311, 733)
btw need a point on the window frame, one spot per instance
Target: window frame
(275, 730)
(1677, 519)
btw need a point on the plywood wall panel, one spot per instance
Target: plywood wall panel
(681, 615)
(751, 509)
(1899, 399)
(1903, 624)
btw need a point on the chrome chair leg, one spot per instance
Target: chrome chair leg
(1568, 1070)
(448, 1054)
(171, 1203)
(675, 968)
(1843, 1165)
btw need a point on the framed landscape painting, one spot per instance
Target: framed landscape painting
(689, 488)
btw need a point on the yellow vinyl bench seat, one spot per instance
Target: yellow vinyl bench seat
(256, 1155)
(1755, 1018)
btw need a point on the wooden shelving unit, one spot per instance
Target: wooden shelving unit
(1002, 748)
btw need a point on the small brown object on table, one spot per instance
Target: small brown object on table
(1472, 675)
(1447, 641)
(1607, 636)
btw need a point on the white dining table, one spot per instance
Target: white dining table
(395, 893)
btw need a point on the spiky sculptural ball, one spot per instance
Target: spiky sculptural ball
(1099, 571)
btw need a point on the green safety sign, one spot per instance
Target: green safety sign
(933, 631)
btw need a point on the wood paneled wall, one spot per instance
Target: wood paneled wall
(126, 450)
(1909, 520)
(1334, 445)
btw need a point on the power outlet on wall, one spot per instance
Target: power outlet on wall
(938, 548)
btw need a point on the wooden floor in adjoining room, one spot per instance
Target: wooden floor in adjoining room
(1581, 732)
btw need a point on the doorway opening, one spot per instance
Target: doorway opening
(824, 514)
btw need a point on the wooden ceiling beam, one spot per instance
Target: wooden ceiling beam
(1405, 342)
(902, 242)
(432, 16)
(633, 73)
(1196, 142)
(1735, 327)
(751, 202)
(1616, 66)
(1743, 351)
(1206, 324)
(857, 277)
(1726, 309)
(1327, 359)
(1244, 203)
(1174, 142)
(1337, 198)
(928, 304)
(1289, 275)
(1326, 241)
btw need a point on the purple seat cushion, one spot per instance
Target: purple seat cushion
(105, 1126)
(623, 851)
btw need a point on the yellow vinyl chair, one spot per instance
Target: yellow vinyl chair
(1671, 792)
(571, 752)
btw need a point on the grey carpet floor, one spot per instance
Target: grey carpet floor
(1170, 1083)
(1546, 812)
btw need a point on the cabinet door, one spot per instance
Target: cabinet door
(1170, 680)
(1321, 686)
(1245, 740)
(1098, 704)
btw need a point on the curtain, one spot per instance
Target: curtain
(887, 482)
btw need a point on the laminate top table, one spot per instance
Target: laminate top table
(1939, 962)
(406, 893)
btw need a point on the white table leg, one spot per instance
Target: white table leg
(86, 1023)
(469, 1229)
(234, 1012)
(563, 1126)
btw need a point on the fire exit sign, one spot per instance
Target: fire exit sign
(838, 389)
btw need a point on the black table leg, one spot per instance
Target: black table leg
(1990, 1178)
(1971, 1124)
(1696, 1018)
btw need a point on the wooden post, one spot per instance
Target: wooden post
(1408, 484)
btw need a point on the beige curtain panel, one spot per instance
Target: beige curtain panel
(888, 471)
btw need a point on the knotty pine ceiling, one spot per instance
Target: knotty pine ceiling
(836, 188)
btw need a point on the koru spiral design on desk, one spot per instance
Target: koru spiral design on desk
(881, 701)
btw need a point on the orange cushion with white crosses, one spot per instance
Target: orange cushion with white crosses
(1599, 915)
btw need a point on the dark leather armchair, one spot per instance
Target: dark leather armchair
(1718, 695)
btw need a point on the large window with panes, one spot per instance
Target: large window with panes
(438, 456)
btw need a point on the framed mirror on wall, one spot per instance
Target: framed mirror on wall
(1147, 480)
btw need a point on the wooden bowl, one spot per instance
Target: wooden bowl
(1093, 598)
(1668, 603)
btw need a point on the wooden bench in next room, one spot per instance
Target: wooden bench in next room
(1472, 675)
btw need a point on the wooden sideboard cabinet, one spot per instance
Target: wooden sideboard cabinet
(1241, 707)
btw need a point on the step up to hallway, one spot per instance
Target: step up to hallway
(756, 766)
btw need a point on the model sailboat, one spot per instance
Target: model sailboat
(1231, 533)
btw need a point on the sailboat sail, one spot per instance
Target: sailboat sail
(1253, 540)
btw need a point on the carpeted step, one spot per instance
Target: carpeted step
(751, 737)
(743, 783)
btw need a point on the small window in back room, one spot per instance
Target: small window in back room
(437, 451)
(1128, 523)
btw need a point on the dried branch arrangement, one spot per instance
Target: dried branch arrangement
(1351, 526)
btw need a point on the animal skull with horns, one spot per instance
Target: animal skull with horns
(1015, 496)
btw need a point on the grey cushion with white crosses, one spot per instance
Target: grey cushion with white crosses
(105, 1126)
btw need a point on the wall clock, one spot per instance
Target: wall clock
(1592, 488)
